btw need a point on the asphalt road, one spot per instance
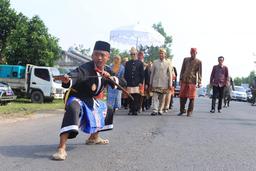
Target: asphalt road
(205, 141)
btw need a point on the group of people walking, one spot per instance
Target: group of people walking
(147, 84)
(153, 83)
(150, 84)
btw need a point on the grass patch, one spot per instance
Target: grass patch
(23, 107)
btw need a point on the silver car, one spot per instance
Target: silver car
(6, 94)
(239, 94)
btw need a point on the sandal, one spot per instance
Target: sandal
(99, 141)
(59, 155)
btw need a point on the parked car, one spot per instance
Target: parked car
(201, 92)
(6, 94)
(239, 94)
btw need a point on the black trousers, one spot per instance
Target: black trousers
(183, 102)
(70, 122)
(134, 105)
(217, 92)
(71, 119)
(171, 102)
(125, 102)
(148, 102)
(142, 102)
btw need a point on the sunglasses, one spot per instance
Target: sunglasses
(132, 54)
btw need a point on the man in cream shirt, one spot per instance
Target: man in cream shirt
(160, 81)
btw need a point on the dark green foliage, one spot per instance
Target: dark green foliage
(8, 19)
(80, 48)
(31, 43)
(24, 40)
(152, 53)
(245, 80)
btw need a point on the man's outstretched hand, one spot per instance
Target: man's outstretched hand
(63, 78)
(105, 74)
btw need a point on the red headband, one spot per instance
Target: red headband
(193, 50)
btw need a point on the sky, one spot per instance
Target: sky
(216, 28)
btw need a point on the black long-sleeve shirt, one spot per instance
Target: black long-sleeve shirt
(87, 83)
(134, 73)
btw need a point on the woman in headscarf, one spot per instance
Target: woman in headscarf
(114, 95)
(124, 96)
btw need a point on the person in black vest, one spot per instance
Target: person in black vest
(125, 98)
(134, 75)
(85, 83)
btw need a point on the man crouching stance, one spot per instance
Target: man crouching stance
(85, 83)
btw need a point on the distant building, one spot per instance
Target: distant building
(71, 59)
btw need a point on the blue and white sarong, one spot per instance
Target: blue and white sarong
(93, 118)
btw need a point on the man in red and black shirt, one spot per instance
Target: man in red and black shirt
(218, 80)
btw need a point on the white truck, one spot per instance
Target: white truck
(34, 82)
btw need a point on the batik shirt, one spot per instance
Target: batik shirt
(191, 71)
(219, 76)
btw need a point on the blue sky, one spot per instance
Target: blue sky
(216, 28)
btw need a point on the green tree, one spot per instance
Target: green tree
(8, 19)
(16, 47)
(168, 39)
(31, 43)
(80, 48)
(237, 81)
(245, 80)
(113, 53)
(152, 53)
(125, 54)
(251, 77)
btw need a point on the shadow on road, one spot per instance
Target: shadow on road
(246, 122)
(123, 112)
(236, 119)
(31, 151)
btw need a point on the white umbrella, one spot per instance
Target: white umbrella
(137, 35)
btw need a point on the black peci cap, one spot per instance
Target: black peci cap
(101, 45)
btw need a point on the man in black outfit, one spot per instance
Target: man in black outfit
(134, 76)
(85, 83)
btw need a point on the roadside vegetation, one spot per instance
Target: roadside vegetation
(23, 108)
